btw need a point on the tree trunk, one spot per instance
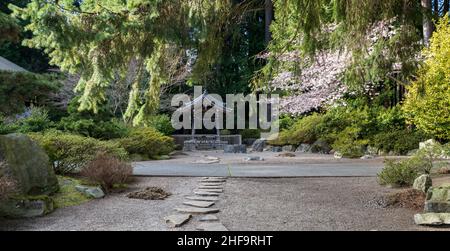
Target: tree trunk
(427, 23)
(446, 6)
(268, 20)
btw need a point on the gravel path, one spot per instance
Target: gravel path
(246, 204)
(116, 212)
(310, 204)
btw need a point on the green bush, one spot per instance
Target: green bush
(162, 123)
(349, 143)
(402, 173)
(70, 153)
(286, 122)
(399, 141)
(147, 142)
(304, 130)
(250, 134)
(428, 98)
(104, 130)
(19, 88)
(37, 121)
(7, 127)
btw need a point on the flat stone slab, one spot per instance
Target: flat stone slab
(211, 190)
(209, 218)
(212, 227)
(202, 204)
(432, 219)
(214, 191)
(210, 187)
(211, 184)
(203, 198)
(177, 220)
(204, 193)
(197, 210)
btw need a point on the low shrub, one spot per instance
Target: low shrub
(162, 123)
(399, 173)
(398, 141)
(107, 171)
(250, 134)
(304, 130)
(148, 142)
(69, 152)
(35, 120)
(286, 122)
(104, 130)
(349, 143)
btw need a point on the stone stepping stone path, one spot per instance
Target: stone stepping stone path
(209, 218)
(212, 226)
(205, 193)
(205, 196)
(177, 220)
(197, 210)
(202, 204)
(210, 190)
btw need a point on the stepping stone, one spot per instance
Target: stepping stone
(211, 184)
(203, 198)
(209, 187)
(177, 220)
(212, 226)
(202, 204)
(197, 210)
(209, 218)
(212, 190)
(216, 191)
(204, 193)
(213, 181)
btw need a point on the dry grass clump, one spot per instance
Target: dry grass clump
(149, 193)
(107, 171)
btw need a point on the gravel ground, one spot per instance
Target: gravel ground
(310, 204)
(247, 204)
(116, 212)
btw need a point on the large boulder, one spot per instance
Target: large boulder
(235, 149)
(304, 148)
(28, 164)
(289, 148)
(423, 183)
(321, 146)
(432, 219)
(259, 145)
(438, 199)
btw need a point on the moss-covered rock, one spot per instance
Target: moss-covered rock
(438, 199)
(28, 164)
(27, 207)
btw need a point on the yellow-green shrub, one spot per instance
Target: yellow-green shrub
(69, 152)
(428, 100)
(147, 142)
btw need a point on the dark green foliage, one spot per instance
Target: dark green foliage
(398, 141)
(96, 129)
(37, 121)
(162, 123)
(350, 144)
(18, 89)
(250, 134)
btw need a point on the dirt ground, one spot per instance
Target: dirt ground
(247, 204)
